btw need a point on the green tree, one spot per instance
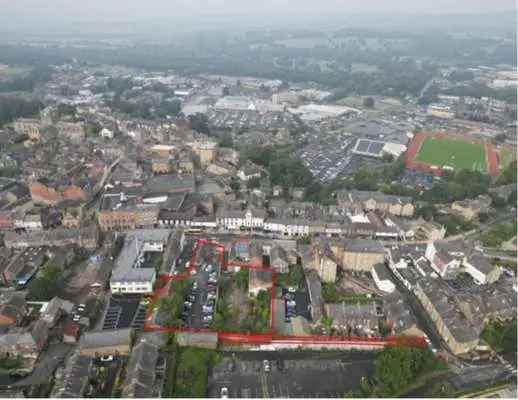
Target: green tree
(45, 286)
(253, 183)
(368, 102)
(397, 367)
(365, 180)
(509, 174)
(200, 123)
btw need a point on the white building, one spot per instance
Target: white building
(382, 279)
(291, 227)
(444, 257)
(128, 276)
(235, 219)
(481, 269)
(106, 133)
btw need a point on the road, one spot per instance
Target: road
(290, 374)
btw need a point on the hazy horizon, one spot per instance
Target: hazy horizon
(104, 16)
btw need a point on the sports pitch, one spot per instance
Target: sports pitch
(453, 153)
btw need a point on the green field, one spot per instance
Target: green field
(456, 154)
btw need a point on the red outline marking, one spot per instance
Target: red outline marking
(162, 289)
(414, 147)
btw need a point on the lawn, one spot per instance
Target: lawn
(192, 372)
(457, 154)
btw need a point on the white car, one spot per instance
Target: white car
(291, 289)
(224, 393)
(106, 358)
(266, 365)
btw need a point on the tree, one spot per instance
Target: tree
(509, 174)
(200, 123)
(45, 286)
(398, 367)
(253, 183)
(235, 185)
(327, 323)
(226, 141)
(365, 180)
(242, 279)
(368, 102)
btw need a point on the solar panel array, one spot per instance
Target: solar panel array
(369, 147)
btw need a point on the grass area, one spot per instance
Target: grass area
(498, 234)
(192, 371)
(454, 153)
(331, 294)
(170, 352)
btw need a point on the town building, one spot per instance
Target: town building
(86, 237)
(362, 318)
(29, 127)
(445, 257)
(460, 334)
(122, 212)
(370, 201)
(129, 276)
(359, 254)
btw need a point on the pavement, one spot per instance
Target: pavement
(207, 255)
(291, 374)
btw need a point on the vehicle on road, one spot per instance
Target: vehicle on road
(266, 366)
(224, 393)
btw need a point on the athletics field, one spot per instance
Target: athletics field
(435, 153)
(453, 154)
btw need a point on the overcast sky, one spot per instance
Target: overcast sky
(139, 9)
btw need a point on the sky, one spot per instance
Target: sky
(158, 17)
(119, 10)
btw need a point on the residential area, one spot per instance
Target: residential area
(289, 223)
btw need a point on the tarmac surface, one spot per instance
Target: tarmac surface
(290, 374)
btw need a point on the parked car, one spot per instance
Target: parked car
(224, 393)
(266, 365)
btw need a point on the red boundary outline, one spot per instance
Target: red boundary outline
(414, 147)
(270, 337)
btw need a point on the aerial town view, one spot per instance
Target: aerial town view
(274, 199)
